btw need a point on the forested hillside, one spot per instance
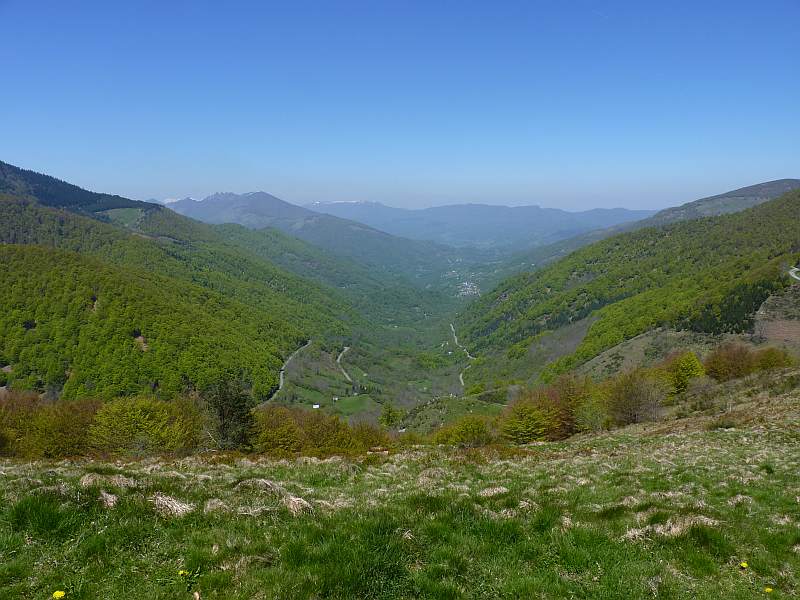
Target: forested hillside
(374, 293)
(54, 192)
(707, 274)
(721, 204)
(203, 310)
(422, 263)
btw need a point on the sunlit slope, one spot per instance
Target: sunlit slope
(708, 275)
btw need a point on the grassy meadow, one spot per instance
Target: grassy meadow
(669, 510)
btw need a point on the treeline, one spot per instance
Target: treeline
(221, 416)
(33, 427)
(709, 275)
(54, 192)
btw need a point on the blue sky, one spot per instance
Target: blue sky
(566, 104)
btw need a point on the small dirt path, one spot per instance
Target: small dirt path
(339, 362)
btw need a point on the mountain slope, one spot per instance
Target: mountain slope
(421, 262)
(163, 303)
(706, 274)
(481, 225)
(50, 191)
(726, 203)
(722, 204)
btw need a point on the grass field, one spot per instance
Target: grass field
(667, 510)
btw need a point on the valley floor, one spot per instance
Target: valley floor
(669, 510)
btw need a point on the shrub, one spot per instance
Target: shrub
(284, 431)
(550, 412)
(468, 432)
(681, 368)
(276, 432)
(230, 405)
(16, 411)
(702, 393)
(526, 420)
(635, 397)
(369, 436)
(591, 414)
(146, 425)
(731, 360)
(390, 416)
(771, 358)
(59, 429)
(324, 434)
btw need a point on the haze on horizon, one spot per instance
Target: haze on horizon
(594, 104)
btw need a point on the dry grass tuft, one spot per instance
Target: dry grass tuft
(119, 481)
(672, 528)
(108, 500)
(167, 506)
(265, 485)
(493, 491)
(296, 505)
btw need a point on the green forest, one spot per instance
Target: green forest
(707, 274)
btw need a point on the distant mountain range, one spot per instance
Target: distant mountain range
(721, 204)
(420, 261)
(481, 225)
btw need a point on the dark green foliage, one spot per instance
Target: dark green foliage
(54, 192)
(230, 404)
(735, 311)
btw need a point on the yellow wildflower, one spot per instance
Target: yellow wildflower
(59, 594)
(768, 590)
(183, 573)
(743, 565)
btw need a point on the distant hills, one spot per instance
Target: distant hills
(419, 261)
(722, 204)
(481, 225)
(726, 203)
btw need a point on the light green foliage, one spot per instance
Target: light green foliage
(470, 431)
(146, 425)
(276, 432)
(68, 321)
(681, 369)
(709, 275)
(526, 421)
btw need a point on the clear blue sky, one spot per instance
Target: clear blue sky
(567, 104)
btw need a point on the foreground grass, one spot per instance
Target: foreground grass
(666, 510)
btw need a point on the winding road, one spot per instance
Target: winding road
(339, 362)
(469, 356)
(286, 364)
(793, 272)
(455, 339)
